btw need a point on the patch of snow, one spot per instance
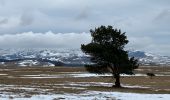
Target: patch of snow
(89, 75)
(134, 86)
(79, 75)
(2, 63)
(89, 84)
(79, 88)
(92, 95)
(28, 63)
(3, 74)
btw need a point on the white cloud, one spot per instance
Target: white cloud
(44, 40)
(145, 21)
(162, 49)
(140, 43)
(73, 40)
(149, 44)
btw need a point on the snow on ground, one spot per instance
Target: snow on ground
(3, 74)
(82, 84)
(87, 95)
(92, 95)
(63, 75)
(78, 75)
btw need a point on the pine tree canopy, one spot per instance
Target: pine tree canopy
(107, 52)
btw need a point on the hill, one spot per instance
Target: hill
(66, 57)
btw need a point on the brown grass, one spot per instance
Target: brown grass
(158, 84)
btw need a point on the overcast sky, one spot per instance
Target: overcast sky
(66, 23)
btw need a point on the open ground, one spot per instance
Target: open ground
(76, 83)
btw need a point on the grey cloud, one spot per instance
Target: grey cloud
(3, 21)
(145, 21)
(140, 42)
(83, 14)
(2, 2)
(163, 17)
(26, 19)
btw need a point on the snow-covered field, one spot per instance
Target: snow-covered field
(85, 95)
(78, 74)
(91, 95)
(76, 84)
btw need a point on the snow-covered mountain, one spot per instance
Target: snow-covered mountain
(43, 57)
(150, 59)
(65, 57)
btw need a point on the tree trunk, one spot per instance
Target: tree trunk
(117, 77)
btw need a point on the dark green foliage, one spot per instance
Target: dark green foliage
(107, 52)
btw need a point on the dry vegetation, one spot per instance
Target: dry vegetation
(46, 80)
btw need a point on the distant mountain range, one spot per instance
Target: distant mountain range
(66, 57)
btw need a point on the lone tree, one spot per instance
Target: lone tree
(107, 53)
